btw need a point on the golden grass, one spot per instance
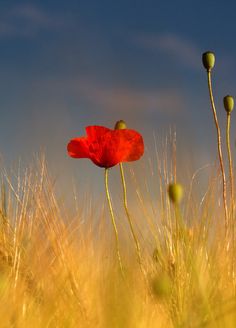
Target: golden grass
(59, 270)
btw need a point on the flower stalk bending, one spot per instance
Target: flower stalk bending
(219, 148)
(113, 222)
(128, 214)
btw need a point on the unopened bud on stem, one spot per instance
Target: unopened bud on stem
(120, 125)
(175, 191)
(228, 104)
(208, 60)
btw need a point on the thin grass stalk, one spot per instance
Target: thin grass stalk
(128, 214)
(113, 222)
(186, 257)
(174, 157)
(219, 150)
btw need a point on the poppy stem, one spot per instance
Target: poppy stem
(113, 221)
(128, 214)
(231, 189)
(219, 151)
(230, 163)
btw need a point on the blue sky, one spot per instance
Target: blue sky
(68, 64)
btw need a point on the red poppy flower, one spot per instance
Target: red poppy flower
(106, 147)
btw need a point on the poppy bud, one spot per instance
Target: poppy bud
(162, 286)
(175, 191)
(155, 255)
(228, 104)
(120, 125)
(208, 60)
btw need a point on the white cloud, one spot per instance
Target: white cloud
(7, 29)
(26, 20)
(180, 48)
(126, 99)
(119, 98)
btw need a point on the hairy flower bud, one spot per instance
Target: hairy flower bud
(228, 103)
(162, 286)
(208, 60)
(120, 125)
(175, 191)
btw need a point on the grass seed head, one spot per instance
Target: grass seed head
(228, 103)
(208, 60)
(120, 125)
(175, 191)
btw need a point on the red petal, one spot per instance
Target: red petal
(131, 146)
(94, 132)
(106, 147)
(102, 146)
(117, 146)
(108, 155)
(78, 148)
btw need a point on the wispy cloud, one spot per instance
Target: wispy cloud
(180, 48)
(27, 20)
(127, 99)
(123, 99)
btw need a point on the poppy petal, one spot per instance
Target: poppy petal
(94, 132)
(106, 147)
(131, 146)
(78, 148)
(101, 149)
(109, 155)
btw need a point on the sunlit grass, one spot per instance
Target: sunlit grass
(62, 271)
(164, 257)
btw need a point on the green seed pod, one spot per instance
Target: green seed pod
(208, 60)
(120, 125)
(155, 255)
(162, 286)
(175, 191)
(228, 104)
(4, 283)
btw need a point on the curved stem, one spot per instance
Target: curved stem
(231, 189)
(177, 256)
(219, 149)
(230, 162)
(128, 214)
(113, 221)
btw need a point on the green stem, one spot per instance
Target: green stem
(219, 150)
(231, 188)
(128, 214)
(230, 162)
(178, 252)
(113, 221)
